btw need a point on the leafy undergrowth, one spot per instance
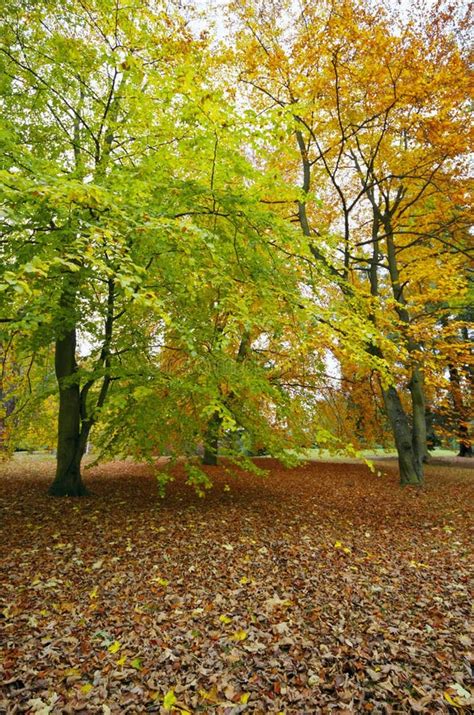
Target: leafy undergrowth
(322, 589)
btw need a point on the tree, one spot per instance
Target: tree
(134, 230)
(91, 95)
(378, 121)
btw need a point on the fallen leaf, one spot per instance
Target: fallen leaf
(239, 635)
(169, 700)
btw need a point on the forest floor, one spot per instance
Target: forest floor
(320, 589)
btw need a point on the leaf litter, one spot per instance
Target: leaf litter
(320, 589)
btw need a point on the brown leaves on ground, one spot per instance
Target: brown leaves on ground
(322, 589)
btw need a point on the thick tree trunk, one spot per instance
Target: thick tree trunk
(211, 440)
(411, 468)
(71, 442)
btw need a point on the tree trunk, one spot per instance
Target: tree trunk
(461, 412)
(411, 469)
(7, 406)
(465, 448)
(416, 386)
(71, 442)
(211, 440)
(420, 438)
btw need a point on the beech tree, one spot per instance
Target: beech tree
(92, 188)
(374, 122)
(133, 229)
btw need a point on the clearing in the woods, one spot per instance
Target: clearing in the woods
(320, 589)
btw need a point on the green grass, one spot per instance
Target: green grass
(372, 454)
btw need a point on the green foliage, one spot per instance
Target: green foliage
(133, 215)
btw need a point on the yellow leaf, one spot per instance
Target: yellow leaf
(225, 619)
(210, 695)
(160, 581)
(244, 698)
(239, 635)
(72, 672)
(122, 660)
(86, 688)
(452, 701)
(114, 647)
(346, 550)
(169, 700)
(94, 592)
(338, 545)
(418, 565)
(244, 580)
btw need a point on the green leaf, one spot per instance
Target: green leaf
(169, 700)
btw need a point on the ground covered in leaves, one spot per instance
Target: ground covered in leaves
(322, 589)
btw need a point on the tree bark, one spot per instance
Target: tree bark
(411, 471)
(71, 442)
